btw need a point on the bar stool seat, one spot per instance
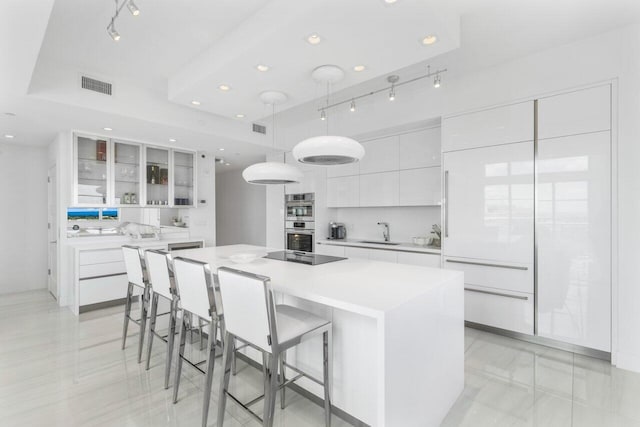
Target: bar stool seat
(295, 324)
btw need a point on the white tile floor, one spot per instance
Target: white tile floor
(58, 371)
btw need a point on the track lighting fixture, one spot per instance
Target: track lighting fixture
(392, 91)
(436, 81)
(111, 28)
(352, 107)
(323, 115)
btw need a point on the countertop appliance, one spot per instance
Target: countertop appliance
(302, 257)
(337, 231)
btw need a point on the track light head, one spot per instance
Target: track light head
(436, 81)
(323, 115)
(352, 107)
(133, 8)
(113, 33)
(392, 94)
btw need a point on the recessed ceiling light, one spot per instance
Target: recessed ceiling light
(172, 140)
(314, 38)
(220, 149)
(224, 88)
(239, 116)
(430, 39)
(194, 102)
(359, 68)
(262, 67)
(107, 128)
(8, 136)
(227, 164)
(390, 1)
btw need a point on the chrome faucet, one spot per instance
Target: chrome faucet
(385, 232)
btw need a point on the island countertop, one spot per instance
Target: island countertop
(366, 287)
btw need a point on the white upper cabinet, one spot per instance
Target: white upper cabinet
(92, 157)
(343, 192)
(420, 187)
(420, 149)
(343, 170)
(583, 111)
(489, 206)
(495, 126)
(379, 189)
(381, 155)
(127, 173)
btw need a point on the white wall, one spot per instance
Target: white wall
(23, 190)
(240, 210)
(613, 55)
(404, 222)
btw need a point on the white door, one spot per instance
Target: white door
(489, 203)
(574, 239)
(52, 218)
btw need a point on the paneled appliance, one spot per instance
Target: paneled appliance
(299, 223)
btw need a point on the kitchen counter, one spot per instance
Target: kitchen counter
(398, 332)
(401, 246)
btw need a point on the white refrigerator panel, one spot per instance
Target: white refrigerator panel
(489, 208)
(574, 239)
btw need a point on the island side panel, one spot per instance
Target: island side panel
(424, 356)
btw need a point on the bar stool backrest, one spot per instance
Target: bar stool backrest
(133, 262)
(158, 263)
(194, 283)
(249, 308)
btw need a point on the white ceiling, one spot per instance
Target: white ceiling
(178, 50)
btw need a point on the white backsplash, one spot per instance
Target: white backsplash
(404, 222)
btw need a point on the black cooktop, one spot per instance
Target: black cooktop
(302, 257)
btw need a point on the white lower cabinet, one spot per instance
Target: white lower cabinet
(331, 250)
(380, 255)
(498, 308)
(414, 258)
(351, 252)
(93, 291)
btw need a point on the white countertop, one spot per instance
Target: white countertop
(366, 287)
(401, 246)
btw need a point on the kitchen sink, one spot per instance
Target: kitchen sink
(378, 242)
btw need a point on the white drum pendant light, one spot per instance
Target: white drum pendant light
(328, 150)
(269, 173)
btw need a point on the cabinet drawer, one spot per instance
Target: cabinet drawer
(512, 311)
(93, 270)
(501, 125)
(494, 274)
(361, 253)
(104, 289)
(101, 256)
(425, 260)
(382, 255)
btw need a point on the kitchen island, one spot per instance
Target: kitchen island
(398, 332)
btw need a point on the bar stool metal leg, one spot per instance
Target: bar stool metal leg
(283, 359)
(213, 326)
(234, 363)
(272, 385)
(181, 343)
(152, 326)
(127, 314)
(326, 353)
(144, 306)
(224, 379)
(170, 340)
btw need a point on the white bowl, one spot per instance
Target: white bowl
(244, 258)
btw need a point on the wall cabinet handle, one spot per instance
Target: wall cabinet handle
(500, 294)
(512, 267)
(446, 203)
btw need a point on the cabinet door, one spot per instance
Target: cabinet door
(420, 149)
(183, 178)
(574, 239)
(127, 173)
(582, 111)
(420, 187)
(331, 250)
(501, 125)
(425, 260)
(92, 156)
(343, 192)
(382, 255)
(344, 170)
(381, 155)
(362, 253)
(489, 203)
(379, 189)
(157, 176)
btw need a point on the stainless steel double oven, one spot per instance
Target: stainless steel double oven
(299, 222)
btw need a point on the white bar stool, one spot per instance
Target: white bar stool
(161, 280)
(136, 274)
(195, 286)
(252, 316)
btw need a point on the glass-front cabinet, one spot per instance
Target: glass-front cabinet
(183, 178)
(157, 167)
(126, 173)
(111, 172)
(91, 171)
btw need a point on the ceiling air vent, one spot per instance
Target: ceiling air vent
(259, 128)
(96, 85)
